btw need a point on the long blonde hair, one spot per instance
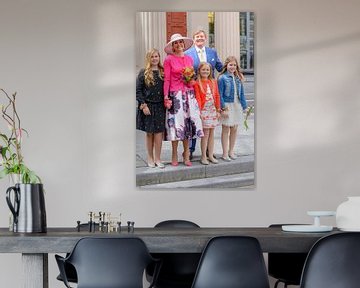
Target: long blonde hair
(148, 72)
(237, 72)
(211, 78)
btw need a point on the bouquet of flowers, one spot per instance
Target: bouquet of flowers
(188, 74)
(248, 112)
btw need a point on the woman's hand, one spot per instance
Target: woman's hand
(167, 103)
(225, 112)
(146, 110)
(191, 83)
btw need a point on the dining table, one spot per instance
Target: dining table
(35, 247)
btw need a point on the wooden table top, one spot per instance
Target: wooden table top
(158, 240)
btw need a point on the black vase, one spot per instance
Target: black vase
(27, 207)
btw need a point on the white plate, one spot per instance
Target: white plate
(306, 228)
(350, 229)
(321, 213)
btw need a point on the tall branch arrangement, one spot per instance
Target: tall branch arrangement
(11, 159)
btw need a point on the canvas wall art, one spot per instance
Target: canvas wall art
(195, 100)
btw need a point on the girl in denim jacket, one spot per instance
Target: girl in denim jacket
(233, 103)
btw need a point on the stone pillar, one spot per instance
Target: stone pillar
(227, 34)
(150, 33)
(197, 21)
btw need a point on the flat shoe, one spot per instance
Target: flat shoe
(227, 159)
(204, 162)
(174, 163)
(160, 165)
(233, 157)
(151, 165)
(214, 161)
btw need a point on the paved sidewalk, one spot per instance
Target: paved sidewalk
(236, 173)
(244, 149)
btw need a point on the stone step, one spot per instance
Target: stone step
(151, 176)
(241, 180)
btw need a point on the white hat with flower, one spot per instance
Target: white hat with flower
(188, 42)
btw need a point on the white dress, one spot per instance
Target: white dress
(235, 111)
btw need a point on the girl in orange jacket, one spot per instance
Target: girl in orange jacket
(207, 95)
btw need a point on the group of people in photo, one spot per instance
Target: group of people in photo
(181, 100)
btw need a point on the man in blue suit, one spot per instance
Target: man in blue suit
(200, 53)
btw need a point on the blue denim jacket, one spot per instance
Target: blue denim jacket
(226, 90)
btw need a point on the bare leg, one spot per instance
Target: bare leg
(150, 148)
(186, 153)
(233, 133)
(158, 138)
(204, 144)
(174, 156)
(211, 145)
(225, 141)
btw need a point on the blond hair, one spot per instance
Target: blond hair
(237, 72)
(148, 72)
(198, 32)
(211, 78)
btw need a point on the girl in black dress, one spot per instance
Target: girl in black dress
(151, 111)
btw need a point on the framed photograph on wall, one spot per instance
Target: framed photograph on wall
(195, 100)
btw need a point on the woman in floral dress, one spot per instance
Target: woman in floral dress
(182, 115)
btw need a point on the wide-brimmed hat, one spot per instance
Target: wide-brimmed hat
(175, 37)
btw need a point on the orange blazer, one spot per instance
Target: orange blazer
(201, 97)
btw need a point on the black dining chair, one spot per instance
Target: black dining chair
(285, 267)
(178, 269)
(232, 262)
(69, 269)
(108, 263)
(333, 262)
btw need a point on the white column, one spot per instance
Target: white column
(150, 33)
(227, 34)
(197, 21)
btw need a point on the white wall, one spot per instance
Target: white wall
(72, 64)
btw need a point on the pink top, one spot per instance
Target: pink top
(173, 66)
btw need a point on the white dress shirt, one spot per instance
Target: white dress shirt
(201, 53)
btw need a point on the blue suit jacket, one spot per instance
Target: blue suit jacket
(211, 57)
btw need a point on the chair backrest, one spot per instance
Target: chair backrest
(287, 267)
(333, 262)
(178, 269)
(110, 262)
(176, 224)
(232, 262)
